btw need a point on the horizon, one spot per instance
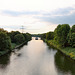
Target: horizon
(36, 16)
(21, 31)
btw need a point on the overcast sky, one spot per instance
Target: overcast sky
(37, 16)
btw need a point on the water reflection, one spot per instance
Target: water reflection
(4, 60)
(33, 38)
(36, 58)
(64, 64)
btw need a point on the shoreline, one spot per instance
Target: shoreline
(13, 49)
(71, 55)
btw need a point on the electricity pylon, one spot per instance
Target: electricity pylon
(22, 28)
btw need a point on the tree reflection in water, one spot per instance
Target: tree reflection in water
(64, 64)
(4, 60)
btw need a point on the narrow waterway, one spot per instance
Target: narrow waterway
(36, 58)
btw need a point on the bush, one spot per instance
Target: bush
(19, 38)
(12, 34)
(5, 42)
(49, 35)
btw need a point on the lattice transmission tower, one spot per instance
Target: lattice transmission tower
(22, 28)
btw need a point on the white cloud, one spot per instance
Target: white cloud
(31, 24)
(34, 5)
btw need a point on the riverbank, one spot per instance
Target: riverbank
(68, 51)
(14, 46)
(3, 52)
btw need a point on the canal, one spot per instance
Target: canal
(36, 58)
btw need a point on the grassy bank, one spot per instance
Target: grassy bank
(3, 52)
(6, 51)
(14, 45)
(68, 51)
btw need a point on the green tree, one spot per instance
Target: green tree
(19, 38)
(61, 33)
(12, 34)
(43, 36)
(73, 39)
(27, 36)
(5, 42)
(49, 35)
(73, 29)
(2, 30)
(71, 36)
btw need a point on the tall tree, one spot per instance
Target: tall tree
(12, 34)
(71, 36)
(61, 33)
(5, 42)
(73, 29)
(49, 35)
(19, 38)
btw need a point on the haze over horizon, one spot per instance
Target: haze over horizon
(37, 16)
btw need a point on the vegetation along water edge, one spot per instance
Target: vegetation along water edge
(12, 40)
(63, 38)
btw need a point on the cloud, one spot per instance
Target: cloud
(61, 12)
(34, 5)
(18, 13)
(36, 16)
(60, 16)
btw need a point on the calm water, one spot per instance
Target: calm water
(36, 58)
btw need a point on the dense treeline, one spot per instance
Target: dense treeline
(63, 35)
(35, 35)
(8, 39)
